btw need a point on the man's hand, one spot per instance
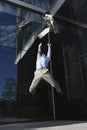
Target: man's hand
(40, 45)
(49, 44)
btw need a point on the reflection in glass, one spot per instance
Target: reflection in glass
(8, 83)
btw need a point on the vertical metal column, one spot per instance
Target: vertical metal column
(54, 116)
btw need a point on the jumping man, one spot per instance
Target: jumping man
(42, 71)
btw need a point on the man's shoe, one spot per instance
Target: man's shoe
(32, 91)
(59, 91)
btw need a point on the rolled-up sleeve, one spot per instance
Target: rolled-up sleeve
(49, 53)
(39, 53)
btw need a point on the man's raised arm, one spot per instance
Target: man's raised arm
(49, 50)
(39, 51)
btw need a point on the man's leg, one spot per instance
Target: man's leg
(48, 78)
(35, 82)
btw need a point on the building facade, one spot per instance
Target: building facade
(68, 60)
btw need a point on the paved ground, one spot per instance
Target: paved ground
(46, 125)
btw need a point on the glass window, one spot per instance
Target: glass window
(69, 63)
(8, 84)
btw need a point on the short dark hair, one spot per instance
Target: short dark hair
(44, 51)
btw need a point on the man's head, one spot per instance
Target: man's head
(43, 55)
(43, 52)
